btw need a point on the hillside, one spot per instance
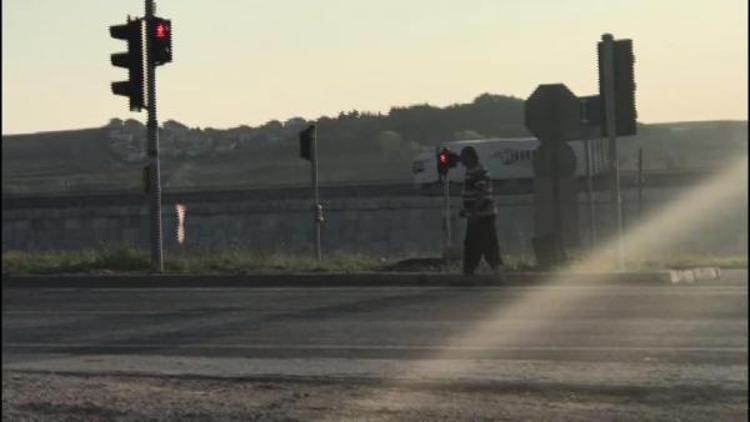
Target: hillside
(354, 147)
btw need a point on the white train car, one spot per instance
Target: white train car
(505, 159)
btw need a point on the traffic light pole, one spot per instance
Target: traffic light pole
(447, 215)
(556, 154)
(590, 191)
(318, 209)
(614, 166)
(152, 126)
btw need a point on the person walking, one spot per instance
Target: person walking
(479, 210)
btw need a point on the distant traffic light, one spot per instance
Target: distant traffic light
(624, 82)
(446, 159)
(592, 110)
(306, 138)
(161, 40)
(131, 60)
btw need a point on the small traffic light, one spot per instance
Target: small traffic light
(624, 83)
(161, 40)
(131, 60)
(306, 138)
(446, 159)
(592, 110)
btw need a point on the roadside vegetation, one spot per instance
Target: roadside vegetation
(126, 259)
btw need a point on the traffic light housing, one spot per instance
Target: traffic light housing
(446, 159)
(592, 110)
(306, 138)
(623, 62)
(160, 32)
(131, 60)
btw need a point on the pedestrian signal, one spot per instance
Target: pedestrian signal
(446, 159)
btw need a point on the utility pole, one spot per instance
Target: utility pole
(614, 166)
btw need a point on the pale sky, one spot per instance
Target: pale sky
(249, 61)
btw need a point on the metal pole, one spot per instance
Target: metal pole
(614, 166)
(152, 127)
(589, 191)
(640, 183)
(555, 154)
(317, 208)
(447, 215)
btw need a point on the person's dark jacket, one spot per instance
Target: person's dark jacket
(477, 193)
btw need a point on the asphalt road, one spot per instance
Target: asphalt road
(635, 338)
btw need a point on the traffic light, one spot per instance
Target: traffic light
(161, 41)
(131, 60)
(624, 82)
(625, 87)
(446, 159)
(306, 138)
(592, 110)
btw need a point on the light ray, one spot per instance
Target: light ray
(657, 233)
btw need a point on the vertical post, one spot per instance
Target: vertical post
(614, 166)
(447, 216)
(640, 183)
(317, 208)
(555, 154)
(589, 191)
(152, 127)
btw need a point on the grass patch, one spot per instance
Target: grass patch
(106, 258)
(239, 261)
(125, 259)
(232, 261)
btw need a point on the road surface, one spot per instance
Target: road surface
(551, 352)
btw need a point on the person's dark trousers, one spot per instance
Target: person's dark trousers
(481, 241)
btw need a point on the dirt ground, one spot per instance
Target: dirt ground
(71, 397)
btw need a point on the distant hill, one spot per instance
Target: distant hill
(354, 147)
(686, 144)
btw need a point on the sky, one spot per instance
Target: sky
(250, 61)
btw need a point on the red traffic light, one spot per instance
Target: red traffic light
(446, 159)
(161, 31)
(161, 40)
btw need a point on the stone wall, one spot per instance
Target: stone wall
(383, 226)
